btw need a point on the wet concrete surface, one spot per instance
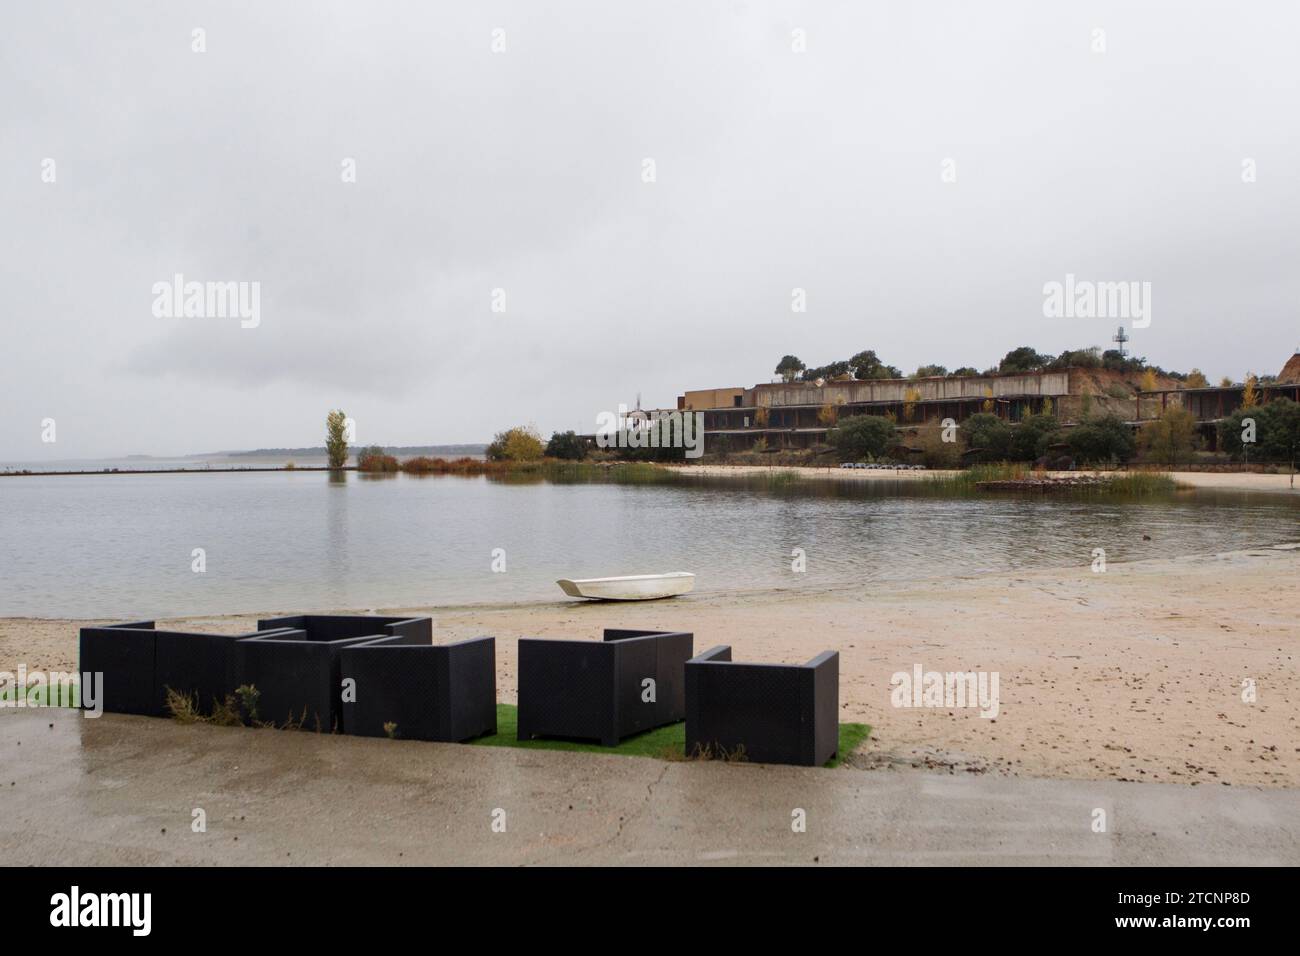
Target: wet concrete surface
(123, 790)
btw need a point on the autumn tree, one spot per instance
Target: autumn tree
(1171, 438)
(336, 438)
(1250, 394)
(910, 398)
(521, 443)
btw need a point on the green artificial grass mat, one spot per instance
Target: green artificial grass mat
(663, 743)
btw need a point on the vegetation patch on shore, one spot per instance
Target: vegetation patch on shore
(551, 469)
(1021, 478)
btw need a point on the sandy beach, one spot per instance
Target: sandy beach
(1132, 674)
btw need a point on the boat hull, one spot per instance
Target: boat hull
(632, 587)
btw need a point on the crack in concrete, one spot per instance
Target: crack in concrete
(629, 817)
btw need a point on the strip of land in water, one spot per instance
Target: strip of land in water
(1209, 480)
(1140, 673)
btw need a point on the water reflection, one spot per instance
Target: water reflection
(104, 546)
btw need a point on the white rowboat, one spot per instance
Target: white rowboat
(631, 587)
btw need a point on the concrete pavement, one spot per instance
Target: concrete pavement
(123, 790)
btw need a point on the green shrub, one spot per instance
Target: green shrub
(1102, 439)
(1277, 432)
(937, 453)
(863, 436)
(566, 446)
(989, 436)
(1030, 438)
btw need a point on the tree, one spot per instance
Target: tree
(336, 438)
(1250, 394)
(910, 398)
(521, 443)
(987, 435)
(930, 371)
(935, 452)
(1117, 361)
(1282, 437)
(1225, 382)
(1233, 428)
(1029, 438)
(1076, 358)
(1196, 379)
(1102, 439)
(1276, 432)
(567, 446)
(1171, 438)
(789, 368)
(1023, 359)
(964, 370)
(1149, 383)
(866, 365)
(863, 436)
(833, 370)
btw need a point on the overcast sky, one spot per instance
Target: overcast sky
(523, 170)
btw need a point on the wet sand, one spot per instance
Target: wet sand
(1132, 674)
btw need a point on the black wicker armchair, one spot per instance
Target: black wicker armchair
(598, 690)
(296, 667)
(773, 713)
(131, 666)
(424, 691)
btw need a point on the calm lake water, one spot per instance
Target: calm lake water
(120, 546)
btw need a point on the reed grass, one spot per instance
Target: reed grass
(1141, 484)
(784, 478)
(968, 480)
(545, 469)
(1119, 484)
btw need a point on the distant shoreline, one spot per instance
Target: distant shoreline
(172, 471)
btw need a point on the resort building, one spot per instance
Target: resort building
(799, 414)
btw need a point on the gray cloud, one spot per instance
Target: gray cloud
(522, 171)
